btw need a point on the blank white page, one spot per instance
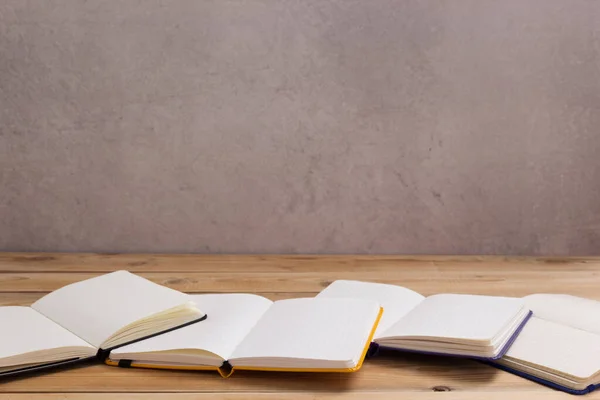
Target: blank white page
(311, 328)
(230, 318)
(396, 301)
(458, 316)
(558, 347)
(96, 308)
(573, 311)
(24, 330)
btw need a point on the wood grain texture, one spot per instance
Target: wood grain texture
(91, 262)
(26, 277)
(27, 298)
(383, 395)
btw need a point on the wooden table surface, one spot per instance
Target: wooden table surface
(25, 277)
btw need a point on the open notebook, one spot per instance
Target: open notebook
(250, 332)
(560, 346)
(472, 326)
(88, 319)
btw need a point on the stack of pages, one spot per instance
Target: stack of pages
(125, 320)
(88, 319)
(481, 327)
(249, 332)
(560, 346)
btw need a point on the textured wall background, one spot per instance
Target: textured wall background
(469, 126)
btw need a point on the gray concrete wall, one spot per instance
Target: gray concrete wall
(300, 126)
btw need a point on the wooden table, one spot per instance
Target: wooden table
(24, 277)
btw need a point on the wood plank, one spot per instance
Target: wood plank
(388, 372)
(27, 298)
(89, 262)
(427, 281)
(381, 395)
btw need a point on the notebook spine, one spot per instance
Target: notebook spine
(226, 369)
(373, 350)
(125, 363)
(102, 354)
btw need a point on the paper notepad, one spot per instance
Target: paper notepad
(89, 318)
(250, 332)
(449, 324)
(560, 346)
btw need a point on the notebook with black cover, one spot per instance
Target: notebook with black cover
(250, 332)
(481, 327)
(560, 346)
(88, 319)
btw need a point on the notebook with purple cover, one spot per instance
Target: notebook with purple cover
(85, 320)
(482, 327)
(560, 346)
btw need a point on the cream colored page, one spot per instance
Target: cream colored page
(573, 311)
(558, 347)
(395, 300)
(312, 328)
(96, 308)
(230, 318)
(457, 316)
(23, 330)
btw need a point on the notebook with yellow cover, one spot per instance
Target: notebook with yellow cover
(87, 319)
(250, 332)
